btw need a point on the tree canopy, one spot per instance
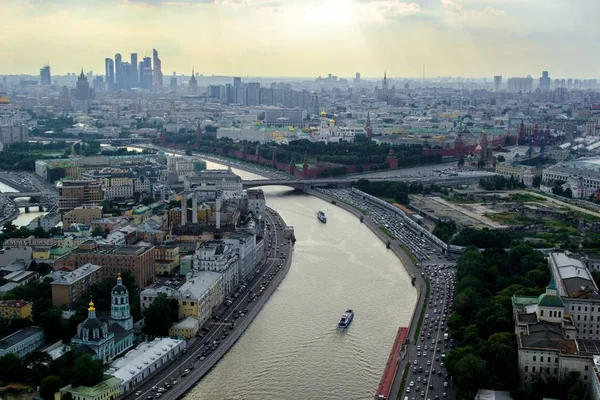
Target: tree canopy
(160, 315)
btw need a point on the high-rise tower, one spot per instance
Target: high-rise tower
(134, 77)
(45, 78)
(109, 73)
(118, 71)
(157, 71)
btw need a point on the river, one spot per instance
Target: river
(293, 350)
(23, 219)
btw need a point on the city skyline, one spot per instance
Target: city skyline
(468, 38)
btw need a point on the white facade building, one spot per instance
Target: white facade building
(219, 256)
(138, 364)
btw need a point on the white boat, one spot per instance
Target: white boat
(321, 216)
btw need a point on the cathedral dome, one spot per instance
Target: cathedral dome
(119, 288)
(323, 113)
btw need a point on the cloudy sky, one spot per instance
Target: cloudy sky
(468, 38)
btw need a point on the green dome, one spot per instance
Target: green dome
(548, 300)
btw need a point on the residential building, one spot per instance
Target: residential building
(198, 297)
(137, 365)
(223, 180)
(81, 215)
(46, 222)
(75, 193)
(167, 259)
(10, 309)
(69, 287)
(579, 292)
(137, 260)
(108, 389)
(22, 342)
(249, 249)
(256, 201)
(187, 328)
(108, 340)
(220, 256)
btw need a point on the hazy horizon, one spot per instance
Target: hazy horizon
(472, 39)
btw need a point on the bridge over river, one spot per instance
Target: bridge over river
(306, 184)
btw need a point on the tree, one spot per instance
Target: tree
(461, 161)
(67, 396)
(50, 385)
(97, 231)
(11, 368)
(36, 365)
(39, 307)
(160, 315)
(86, 371)
(188, 151)
(147, 200)
(9, 227)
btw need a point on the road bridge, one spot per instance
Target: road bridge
(306, 184)
(13, 195)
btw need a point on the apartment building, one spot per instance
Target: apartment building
(81, 215)
(137, 260)
(75, 193)
(68, 287)
(10, 309)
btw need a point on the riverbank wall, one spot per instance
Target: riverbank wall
(410, 267)
(179, 391)
(391, 368)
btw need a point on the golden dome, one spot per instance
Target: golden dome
(4, 100)
(332, 121)
(91, 306)
(292, 129)
(323, 113)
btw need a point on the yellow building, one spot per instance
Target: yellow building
(167, 259)
(186, 328)
(10, 309)
(109, 388)
(41, 252)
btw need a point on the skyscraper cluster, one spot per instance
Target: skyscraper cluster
(147, 74)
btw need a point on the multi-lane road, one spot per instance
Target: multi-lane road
(219, 335)
(426, 355)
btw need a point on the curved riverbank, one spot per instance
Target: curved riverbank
(408, 264)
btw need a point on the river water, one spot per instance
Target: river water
(292, 350)
(23, 219)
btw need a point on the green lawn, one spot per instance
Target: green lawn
(403, 382)
(423, 309)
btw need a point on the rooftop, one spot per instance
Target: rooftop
(13, 303)
(196, 287)
(186, 323)
(575, 279)
(19, 336)
(546, 335)
(73, 276)
(140, 358)
(95, 391)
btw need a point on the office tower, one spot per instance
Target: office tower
(173, 84)
(157, 75)
(127, 72)
(253, 94)
(118, 72)
(193, 83)
(497, 82)
(98, 84)
(545, 82)
(109, 73)
(146, 71)
(237, 81)
(134, 78)
(357, 79)
(45, 78)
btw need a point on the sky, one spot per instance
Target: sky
(307, 38)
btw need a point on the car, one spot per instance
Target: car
(444, 394)
(441, 364)
(158, 395)
(428, 362)
(446, 384)
(150, 398)
(161, 390)
(139, 392)
(154, 388)
(419, 379)
(202, 358)
(408, 389)
(415, 362)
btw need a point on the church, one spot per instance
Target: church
(105, 341)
